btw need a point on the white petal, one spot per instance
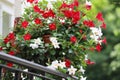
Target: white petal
(88, 3)
(72, 70)
(83, 78)
(37, 41)
(34, 46)
(82, 70)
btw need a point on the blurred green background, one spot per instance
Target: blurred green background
(107, 65)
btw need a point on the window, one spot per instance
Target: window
(6, 21)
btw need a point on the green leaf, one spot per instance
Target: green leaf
(8, 45)
(68, 78)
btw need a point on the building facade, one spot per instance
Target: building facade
(9, 9)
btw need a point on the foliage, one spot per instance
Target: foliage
(115, 54)
(103, 68)
(57, 34)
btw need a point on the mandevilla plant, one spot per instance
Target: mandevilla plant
(58, 34)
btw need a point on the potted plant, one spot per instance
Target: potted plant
(58, 34)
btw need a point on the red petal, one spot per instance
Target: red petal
(98, 47)
(100, 17)
(67, 63)
(89, 62)
(104, 41)
(1, 48)
(103, 25)
(9, 64)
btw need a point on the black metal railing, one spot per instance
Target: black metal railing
(32, 67)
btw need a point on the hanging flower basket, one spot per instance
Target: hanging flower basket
(59, 34)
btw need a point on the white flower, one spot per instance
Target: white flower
(63, 53)
(96, 34)
(48, 21)
(62, 64)
(26, 70)
(97, 31)
(34, 46)
(53, 39)
(56, 45)
(82, 70)
(49, 5)
(54, 42)
(13, 74)
(86, 57)
(63, 78)
(55, 64)
(72, 70)
(83, 78)
(62, 20)
(51, 67)
(88, 3)
(37, 41)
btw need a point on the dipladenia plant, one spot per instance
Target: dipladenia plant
(57, 34)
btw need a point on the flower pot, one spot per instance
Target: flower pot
(16, 21)
(46, 38)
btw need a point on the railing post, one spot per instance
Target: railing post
(0, 73)
(17, 76)
(30, 76)
(36, 68)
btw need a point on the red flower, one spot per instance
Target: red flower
(100, 17)
(89, 62)
(76, 3)
(89, 23)
(88, 5)
(71, 6)
(67, 63)
(68, 13)
(76, 17)
(9, 64)
(10, 36)
(81, 31)
(45, 15)
(52, 26)
(11, 53)
(30, 1)
(37, 9)
(37, 21)
(6, 40)
(27, 36)
(24, 24)
(64, 5)
(85, 22)
(104, 41)
(1, 48)
(73, 39)
(98, 47)
(50, 13)
(36, 1)
(103, 25)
